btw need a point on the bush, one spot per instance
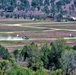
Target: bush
(57, 72)
(20, 71)
(41, 72)
(4, 53)
(74, 47)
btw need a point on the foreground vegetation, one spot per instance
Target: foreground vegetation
(57, 58)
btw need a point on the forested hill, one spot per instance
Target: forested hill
(22, 8)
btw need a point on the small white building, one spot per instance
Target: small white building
(74, 18)
(70, 35)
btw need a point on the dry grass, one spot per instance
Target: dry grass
(38, 32)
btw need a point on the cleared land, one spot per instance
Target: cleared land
(38, 32)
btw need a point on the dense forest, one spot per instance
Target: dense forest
(57, 58)
(37, 8)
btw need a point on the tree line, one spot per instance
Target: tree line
(49, 7)
(57, 58)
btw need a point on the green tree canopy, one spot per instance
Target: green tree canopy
(4, 53)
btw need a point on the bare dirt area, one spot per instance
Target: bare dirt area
(49, 34)
(38, 32)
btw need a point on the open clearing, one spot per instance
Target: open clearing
(38, 32)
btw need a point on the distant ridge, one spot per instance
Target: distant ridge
(37, 8)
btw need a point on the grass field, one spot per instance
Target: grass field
(38, 32)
